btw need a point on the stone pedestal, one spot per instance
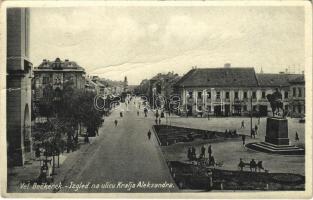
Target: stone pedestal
(277, 131)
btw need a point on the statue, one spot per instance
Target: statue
(276, 103)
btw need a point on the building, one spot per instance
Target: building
(50, 78)
(93, 84)
(19, 70)
(292, 87)
(218, 91)
(238, 91)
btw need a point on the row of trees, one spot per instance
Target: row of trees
(65, 113)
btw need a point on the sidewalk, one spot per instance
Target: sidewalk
(31, 171)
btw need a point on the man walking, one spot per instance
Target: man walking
(210, 151)
(149, 134)
(253, 133)
(202, 152)
(256, 129)
(242, 124)
(243, 139)
(297, 136)
(115, 122)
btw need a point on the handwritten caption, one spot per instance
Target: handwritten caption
(76, 187)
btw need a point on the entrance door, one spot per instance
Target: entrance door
(217, 110)
(227, 110)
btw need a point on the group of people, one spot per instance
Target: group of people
(192, 155)
(253, 165)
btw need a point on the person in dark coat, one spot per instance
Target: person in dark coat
(210, 151)
(189, 153)
(203, 151)
(115, 122)
(297, 136)
(243, 139)
(241, 164)
(256, 129)
(137, 112)
(149, 134)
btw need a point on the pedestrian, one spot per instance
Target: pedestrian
(253, 165)
(210, 151)
(242, 124)
(243, 139)
(241, 164)
(159, 120)
(86, 138)
(256, 129)
(115, 122)
(259, 120)
(156, 121)
(189, 153)
(203, 151)
(149, 134)
(137, 112)
(297, 136)
(157, 114)
(253, 133)
(121, 114)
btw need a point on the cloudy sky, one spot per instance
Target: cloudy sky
(139, 42)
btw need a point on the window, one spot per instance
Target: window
(218, 95)
(245, 95)
(199, 95)
(293, 92)
(300, 92)
(254, 95)
(227, 95)
(45, 80)
(263, 94)
(209, 95)
(236, 95)
(286, 95)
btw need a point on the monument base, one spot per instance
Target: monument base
(276, 149)
(277, 131)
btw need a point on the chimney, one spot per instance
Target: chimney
(227, 65)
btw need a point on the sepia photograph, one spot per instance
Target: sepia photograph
(157, 97)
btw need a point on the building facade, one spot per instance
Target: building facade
(237, 92)
(19, 70)
(50, 78)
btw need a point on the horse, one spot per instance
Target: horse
(275, 103)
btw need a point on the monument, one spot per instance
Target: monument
(276, 139)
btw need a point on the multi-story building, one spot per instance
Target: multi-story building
(53, 76)
(218, 91)
(93, 84)
(291, 87)
(19, 70)
(237, 91)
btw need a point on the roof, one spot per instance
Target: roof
(58, 64)
(220, 77)
(279, 80)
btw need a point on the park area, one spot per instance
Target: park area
(281, 172)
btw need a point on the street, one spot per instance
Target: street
(121, 155)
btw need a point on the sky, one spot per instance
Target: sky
(139, 42)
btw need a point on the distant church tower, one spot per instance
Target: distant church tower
(125, 85)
